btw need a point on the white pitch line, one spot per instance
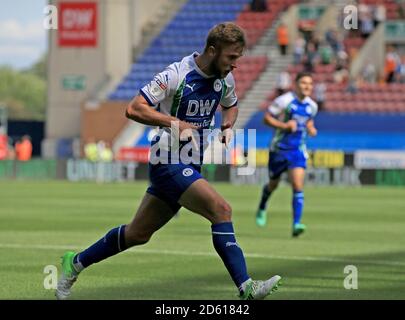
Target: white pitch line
(213, 254)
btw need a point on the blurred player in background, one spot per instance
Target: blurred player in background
(292, 115)
(187, 94)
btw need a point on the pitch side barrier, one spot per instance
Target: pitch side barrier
(324, 168)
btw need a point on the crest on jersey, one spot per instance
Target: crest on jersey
(308, 109)
(217, 85)
(187, 172)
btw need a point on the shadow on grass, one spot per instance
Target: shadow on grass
(302, 280)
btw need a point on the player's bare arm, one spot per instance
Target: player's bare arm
(312, 131)
(229, 116)
(271, 121)
(140, 111)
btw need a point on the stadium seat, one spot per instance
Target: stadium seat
(183, 35)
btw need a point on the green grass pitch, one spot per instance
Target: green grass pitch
(364, 227)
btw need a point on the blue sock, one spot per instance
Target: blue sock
(265, 197)
(112, 243)
(231, 254)
(298, 205)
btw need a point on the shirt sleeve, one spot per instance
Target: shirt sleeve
(314, 106)
(278, 106)
(163, 85)
(229, 98)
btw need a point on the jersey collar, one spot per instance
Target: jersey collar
(195, 66)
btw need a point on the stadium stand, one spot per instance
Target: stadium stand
(369, 97)
(371, 104)
(371, 116)
(392, 7)
(184, 34)
(256, 23)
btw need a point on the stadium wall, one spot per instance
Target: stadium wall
(345, 131)
(102, 121)
(140, 19)
(79, 67)
(323, 170)
(72, 81)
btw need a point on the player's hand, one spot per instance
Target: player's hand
(291, 125)
(226, 134)
(186, 131)
(312, 131)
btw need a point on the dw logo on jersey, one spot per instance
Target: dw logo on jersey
(202, 107)
(301, 120)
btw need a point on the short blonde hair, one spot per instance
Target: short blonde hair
(225, 33)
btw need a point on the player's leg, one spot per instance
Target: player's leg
(151, 215)
(297, 176)
(277, 165)
(267, 190)
(202, 198)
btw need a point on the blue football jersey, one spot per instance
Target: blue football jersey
(184, 91)
(288, 107)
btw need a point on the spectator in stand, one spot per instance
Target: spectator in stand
(258, 5)
(339, 42)
(10, 150)
(400, 71)
(299, 49)
(91, 150)
(363, 10)
(353, 86)
(329, 37)
(282, 38)
(319, 92)
(315, 39)
(391, 62)
(3, 145)
(366, 26)
(325, 53)
(23, 149)
(401, 5)
(310, 58)
(369, 72)
(333, 38)
(105, 153)
(379, 13)
(283, 83)
(381, 79)
(342, 59)
(341, 73)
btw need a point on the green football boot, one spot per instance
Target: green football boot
(298, 229)
(258, 290)
(261, 218)
(68, 278)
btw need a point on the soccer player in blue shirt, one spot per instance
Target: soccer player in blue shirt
(184, 96)
(292, 115)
